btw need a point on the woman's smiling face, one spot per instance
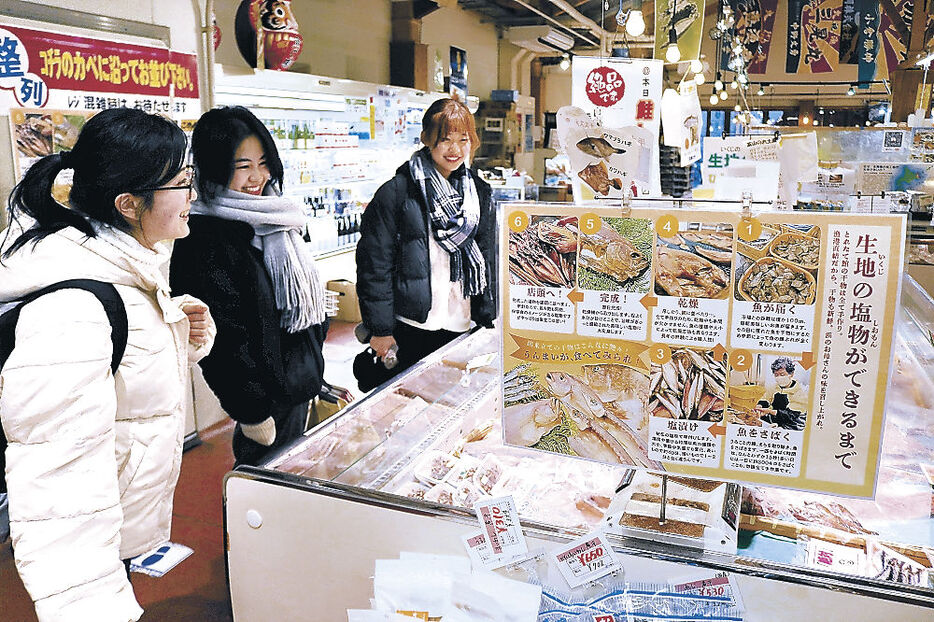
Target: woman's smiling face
(250, 172)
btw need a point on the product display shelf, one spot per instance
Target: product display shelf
(376, 458)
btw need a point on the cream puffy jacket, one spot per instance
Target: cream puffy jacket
(93, 458)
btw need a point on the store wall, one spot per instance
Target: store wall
(556, 88)
(341, 39)
(453, 26)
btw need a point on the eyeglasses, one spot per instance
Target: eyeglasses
(189, 186)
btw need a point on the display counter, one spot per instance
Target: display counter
(399, 470)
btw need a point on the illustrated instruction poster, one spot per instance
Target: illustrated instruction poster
(753, 349)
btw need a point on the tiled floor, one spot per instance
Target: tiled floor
(196, 589)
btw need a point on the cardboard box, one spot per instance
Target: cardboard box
(504, 95)
(348, 305)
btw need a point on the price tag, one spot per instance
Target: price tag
(586, 559)
(481, 553)
(499, 521)
(830, 556)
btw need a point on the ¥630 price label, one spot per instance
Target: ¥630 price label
(586, 559)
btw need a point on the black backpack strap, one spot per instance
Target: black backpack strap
(113, 305)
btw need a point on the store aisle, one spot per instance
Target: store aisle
(196, 589)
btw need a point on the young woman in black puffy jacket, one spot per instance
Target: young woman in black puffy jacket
(426, 267)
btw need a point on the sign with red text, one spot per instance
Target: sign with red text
(702, 342)
(586, 559)
(499, 520)
(53, 70)
(622, 97)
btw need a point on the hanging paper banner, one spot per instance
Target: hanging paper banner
(868, 47)
(794, 44)
(616, 94)
(767, 9)
(895, 31)
(849, 34)
(754, 21)
(820, 31)
(686, 17)
(53, 70)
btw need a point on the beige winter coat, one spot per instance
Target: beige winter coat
(93, 458)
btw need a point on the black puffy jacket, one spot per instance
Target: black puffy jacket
(393, 269)
(256, 368)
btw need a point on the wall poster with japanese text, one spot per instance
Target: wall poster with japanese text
(55, 70)
(753, 349)
(615, 148)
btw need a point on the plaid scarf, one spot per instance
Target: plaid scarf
(453, 226)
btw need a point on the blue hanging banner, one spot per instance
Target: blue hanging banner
(849, 34)
(868, 46)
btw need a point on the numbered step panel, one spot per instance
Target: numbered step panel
(706, 342)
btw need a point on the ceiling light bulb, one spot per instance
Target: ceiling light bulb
(635, 23)
(565, 62)
(805, 119)
(714, 99)
(816, 122)
(737, 108)
(743, 78)
(723, 95)
(761, 91)
(696, 65)
(672, 53)
(734, 85)
(718, 85)
(699, 79)
(851, 90)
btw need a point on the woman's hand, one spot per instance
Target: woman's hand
(381, 345)
(198, 322)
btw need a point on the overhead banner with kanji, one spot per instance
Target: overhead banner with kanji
(813, 36)
(895, 31)
(752, 28)
(610, 131)
(66, 72)
(868, 45)
(753, 348)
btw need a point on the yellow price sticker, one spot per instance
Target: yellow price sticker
(659, 353)
(741, 360)
(518, 221)
(589, 223)
(666, 226)
(749, 229)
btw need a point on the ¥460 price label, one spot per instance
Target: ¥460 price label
(586, 559)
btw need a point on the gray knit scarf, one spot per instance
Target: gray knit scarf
(453, 226)
(277, 223)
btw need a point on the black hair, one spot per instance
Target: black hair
(214, 142)
(783, 362)
(117, 151)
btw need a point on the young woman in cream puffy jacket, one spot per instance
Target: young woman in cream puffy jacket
(93, 457)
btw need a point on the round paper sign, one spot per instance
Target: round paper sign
(605, 86)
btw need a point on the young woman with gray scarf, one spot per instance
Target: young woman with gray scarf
(426, 257)
(246, 258)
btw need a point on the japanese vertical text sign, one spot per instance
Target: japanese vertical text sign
(66, 72)
(702, 342)
(619, 93)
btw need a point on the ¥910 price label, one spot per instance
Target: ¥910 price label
(586, 559)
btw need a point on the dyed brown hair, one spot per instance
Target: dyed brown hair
(445, 116)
